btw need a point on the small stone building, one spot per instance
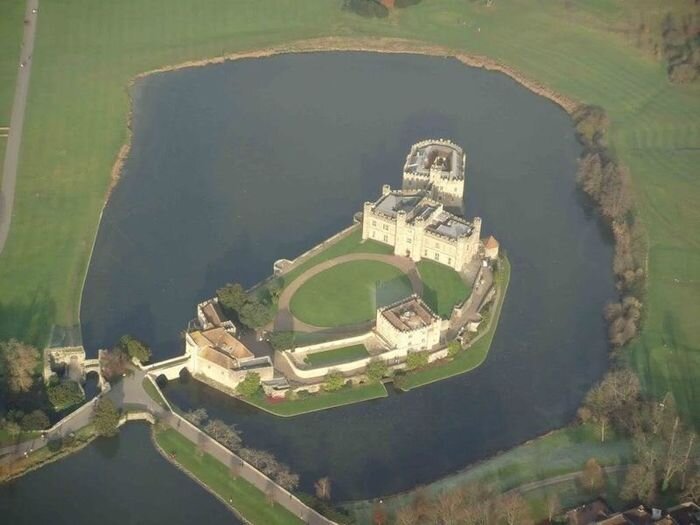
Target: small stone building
(408, 325)
(491, 247)
(220, 357)
(436, 166)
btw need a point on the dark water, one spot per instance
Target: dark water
(236, 165)
(120, 481)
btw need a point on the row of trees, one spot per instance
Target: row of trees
(230, 437)
(665, 448)
(681, 46)
(249, 309)
(608, 184)
(470, 504)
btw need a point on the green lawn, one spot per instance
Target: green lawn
(153, 392)
(11, 28)
(336, 356)
(443, 287)
(321, 401)
(78, 106)
(474, 355)
(250, 502)
(348, 293)
(554, 454)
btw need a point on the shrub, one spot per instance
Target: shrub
(376, 369)
(453, 348)
(366, 8)
(135, 349)
(250, 385)
(282, 340)
(65, 394)
(106, 417)
(416, 360)
(334, 382)
(35, 420)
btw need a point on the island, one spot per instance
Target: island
(409, 294)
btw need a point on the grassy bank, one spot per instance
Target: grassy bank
(246, 499)
(559, 452)
(474, 355)
(443, 287)
(78, 106)
(320, 401)
(336, 356)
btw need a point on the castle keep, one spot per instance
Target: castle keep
(414, 220)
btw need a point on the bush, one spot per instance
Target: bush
(416, 360)
(366, 8)
(35, 420)
(250, 385)
(65, 394)
(282, 340)
(334, 382)
(135, 349)
(376, 369)
(106, 417)
(453, 348)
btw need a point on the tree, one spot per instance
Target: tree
(225, 434)
(416, 360)
(453, 348)
(552, 505)
(334, 382)
(20, 362)
(11, 427)
(376, 369)
(106, 417)
(286, 479)
(448, 507)
(135, 349)
(35, 420)
(232, 297)
(323, 488)
(640, 484)
(250, 385)
(254, 314)
(513, 509)
(65, 394)
(197, 416)
(113, 363)
(612, 398)
(592, 477)
(282, 340)
(406, 516)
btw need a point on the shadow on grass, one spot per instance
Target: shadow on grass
(29, 320)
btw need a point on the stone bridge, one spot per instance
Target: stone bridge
(170, 368)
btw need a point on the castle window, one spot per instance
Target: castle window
(426, 253)
(386, 227)
(386, 238)
(437, 244)
(449, 260)
(374, 223)
(373, 235)
(409, 240)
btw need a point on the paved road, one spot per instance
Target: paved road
(285, 320)
(9, 170)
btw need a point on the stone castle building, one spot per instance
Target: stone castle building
(437, 167)
(408, 325)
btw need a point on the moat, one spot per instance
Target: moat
(234, 166)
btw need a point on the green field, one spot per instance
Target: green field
(248, 501)
(336, 356)
(560, 452)
(474, 355)
(349, 293)
(321, 401)
(86, 53)
(443, 287)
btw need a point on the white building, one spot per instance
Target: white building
(419, 227)
(436, 166)
(408, 325)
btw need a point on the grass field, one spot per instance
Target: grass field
(443, 289)
(320, 401)
(250, 502)
(336, 356)
(349, 293)
(560, 452)
(473, 356)
(87, 51)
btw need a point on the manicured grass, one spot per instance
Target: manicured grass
(443, 287)
(250, 502)
(338, 355)
(78, 105)
(474, 355)
(153, 392)
(320, 401)
(6, 439)
(11, 29)
(554, 454)
(348, 293)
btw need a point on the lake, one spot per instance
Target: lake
(236, 165)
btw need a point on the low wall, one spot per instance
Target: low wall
(304, 351)
(353, 367)
(170, 368)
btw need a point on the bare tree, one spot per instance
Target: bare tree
(592, 477)
(553, 506)
(406, 516)
(197, 416)
(513, 509)
(640, 484)
(286, 479)
(20, 363)
(323, 488)
(448, 507)
(611, 398)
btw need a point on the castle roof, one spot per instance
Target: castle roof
(221, 342)
(409, 314)
(439, 155)
(491, 243)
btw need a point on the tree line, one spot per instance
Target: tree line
(609, 186)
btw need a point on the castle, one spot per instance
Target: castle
(414, 220)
